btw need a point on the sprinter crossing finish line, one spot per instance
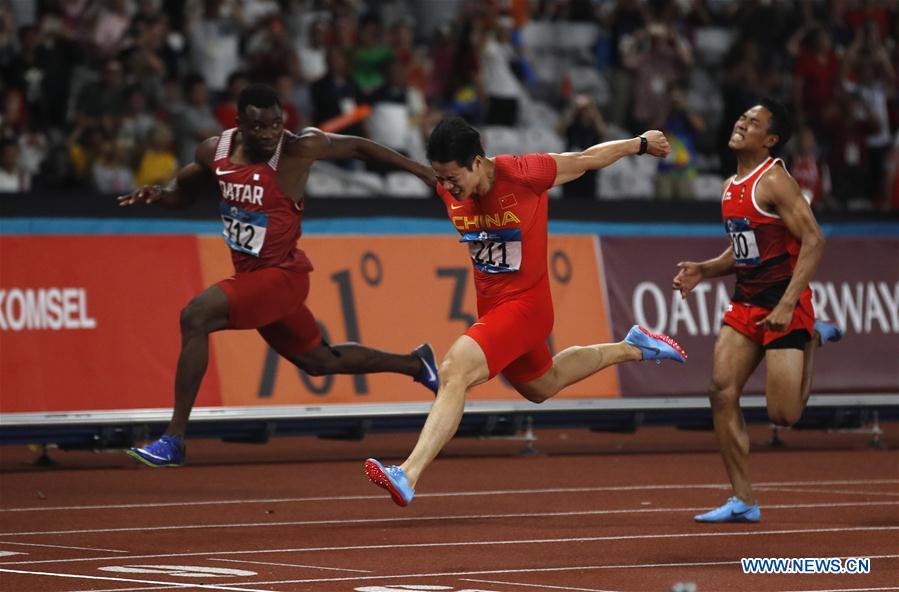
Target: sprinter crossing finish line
(499, 207)
(260, 171)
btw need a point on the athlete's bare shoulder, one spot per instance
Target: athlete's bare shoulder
(311, 142)
(727, 183)
(205, 153)
(776, 187)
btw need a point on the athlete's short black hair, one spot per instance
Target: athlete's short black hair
(257, 95)
(454, 140)
(781, 123)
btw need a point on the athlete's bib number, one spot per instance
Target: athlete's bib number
(244, 231)
(497, 251)
(742, 239)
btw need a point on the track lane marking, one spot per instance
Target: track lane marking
(434, 518)
(172, 584)
(63, 547)
(554, 490)
(531, 570)
(676, 535)
(548, 587)
(293, 565)
(776, 489)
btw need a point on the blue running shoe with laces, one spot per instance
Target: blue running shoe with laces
(391, 478)
(733, 510)
(655, 346)
(827, 332)
(428, 375)
(168, 451)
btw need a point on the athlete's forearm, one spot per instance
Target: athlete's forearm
(172, 197)
(810, 254)
(721, 265)
(182, 191)
(602, 155)
(367, 150)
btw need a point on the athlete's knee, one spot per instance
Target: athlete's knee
(784, 416)
(195, 319)
(722, 396)
(535, 395)
(454, 374)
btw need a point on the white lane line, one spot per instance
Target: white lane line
(293, 565)
(847, 589)
(548, 587)
(173, 584)
(554, 490)
(64, 547)
(127, 589)
(516, 571)
(351, 521)
(675, 535)
(835, 491)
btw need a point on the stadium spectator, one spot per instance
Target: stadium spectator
(312, 51)
(659, 58)
(402, 43)
(270, 54)
(810, 170)
(682, 126)
(335, 93)
(848, 157)
(503, 91)
(195, 122)
(158, 164)
(33, 148)
(285, 87)
(103, 98)
(226, 110)
(13, 179)
(397, 113)
(816, 81)
(582, 126)
(136, 122)
(84, 145)
(867, 72)
(110, 173)
(371, 57)
(110, 27)
(214, 28)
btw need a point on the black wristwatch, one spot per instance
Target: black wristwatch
(643, 145)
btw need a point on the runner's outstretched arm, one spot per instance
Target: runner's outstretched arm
(190, 182)
(324, 146)
(571, 165)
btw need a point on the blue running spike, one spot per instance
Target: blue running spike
(167, 451)
(733, 510)
(391, 478)
(655, 346)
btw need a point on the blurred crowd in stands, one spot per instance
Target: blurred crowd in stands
(112, 94)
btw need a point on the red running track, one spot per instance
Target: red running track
(593, 512)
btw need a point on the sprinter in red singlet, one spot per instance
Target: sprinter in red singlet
(776, 246)
(499, 207)
(259, 171)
